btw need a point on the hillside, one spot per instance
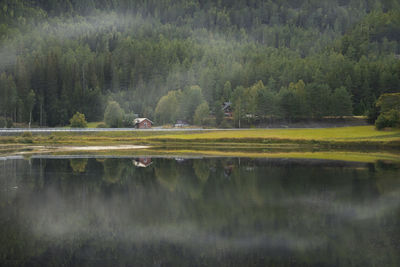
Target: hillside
(271, 59)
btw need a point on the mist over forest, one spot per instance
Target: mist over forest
(181, 60)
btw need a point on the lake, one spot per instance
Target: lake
(143, 211)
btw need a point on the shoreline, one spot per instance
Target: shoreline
(355, 137)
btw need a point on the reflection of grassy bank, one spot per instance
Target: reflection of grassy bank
(353, 156)
(337, 155)
(359, 137)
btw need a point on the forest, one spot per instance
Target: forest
(181, 60)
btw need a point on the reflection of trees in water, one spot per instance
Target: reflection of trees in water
(247, 183)
(184, 176)
(202, 169)
(167, 173)
(189, 183)
(114, 170)
(189, 213)
(78, 165)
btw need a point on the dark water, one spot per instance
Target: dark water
(198, 212)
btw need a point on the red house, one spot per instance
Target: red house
(142, 123)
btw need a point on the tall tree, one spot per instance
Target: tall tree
(168, 107)
(191, 98)
(201, 114)
(113, 114)
(341, 102)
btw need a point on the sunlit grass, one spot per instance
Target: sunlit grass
(89, 125)
(94, 124)
(366, 133)
(360, 137)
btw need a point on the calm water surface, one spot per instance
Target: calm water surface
(198, 212)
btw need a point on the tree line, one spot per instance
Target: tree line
(286, 59)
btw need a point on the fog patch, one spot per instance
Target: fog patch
(63, 29)
(370, 209)
(8, 56)
(56, 217)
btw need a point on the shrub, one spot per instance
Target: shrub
(388, 102)
(127, 120)
(27, 140)
(113, 115)
(78, 120)
(26, 135)
(380, 122)
(388, 119)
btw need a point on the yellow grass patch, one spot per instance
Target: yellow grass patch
(358, 133)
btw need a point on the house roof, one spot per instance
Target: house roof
(139, 120)
(226, 105)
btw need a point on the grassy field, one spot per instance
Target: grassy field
(89, 125)
(360, 137)
(361, 143)
(357, 133)
(345, 137)
(94, 124)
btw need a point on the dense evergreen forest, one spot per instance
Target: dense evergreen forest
(170, 60)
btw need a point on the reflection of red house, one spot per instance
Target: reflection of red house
(142, 162)
(142, 123)
(228, 170)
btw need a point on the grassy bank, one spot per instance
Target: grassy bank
(346, 137)
(358, 137)
(349, 134)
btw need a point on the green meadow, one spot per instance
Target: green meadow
(357, 136)
(361, 143)
(346, 134)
